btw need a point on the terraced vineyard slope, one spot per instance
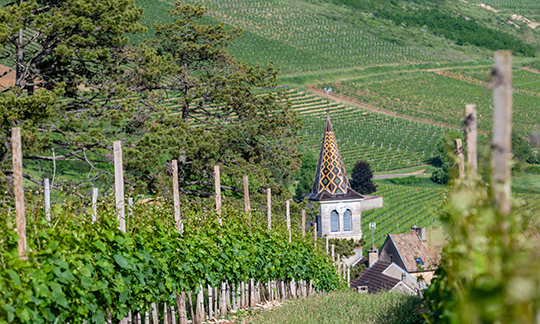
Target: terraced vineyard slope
(385, 142)
(440, 96)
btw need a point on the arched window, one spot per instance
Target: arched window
(334, 221)
(347, 221)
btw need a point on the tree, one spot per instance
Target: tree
(521, 149)
(65, 54)
(306, 175)
(178, 96)
(446, 158)
(361, 178)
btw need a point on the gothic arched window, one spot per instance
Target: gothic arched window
(347, 220)
(334, 221)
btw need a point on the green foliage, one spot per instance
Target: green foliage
(446, 156)
(361, 178)
(348, 307)
(76, 270)
(306, 175)
(345, 247)
(533, 169)
(406, 180)
(489, 272)
(522, 150)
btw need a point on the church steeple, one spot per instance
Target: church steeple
(330, 175)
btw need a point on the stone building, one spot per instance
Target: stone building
(340, 206)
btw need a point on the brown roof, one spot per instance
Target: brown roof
(409, 246)
(374, 278)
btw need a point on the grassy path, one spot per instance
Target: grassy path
(346, 307)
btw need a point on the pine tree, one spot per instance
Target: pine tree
(361, 178)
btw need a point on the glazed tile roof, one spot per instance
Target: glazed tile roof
(331, 179)
(409, 246)
(374, 278)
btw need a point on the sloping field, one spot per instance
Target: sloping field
(385, 142)
(440, 97)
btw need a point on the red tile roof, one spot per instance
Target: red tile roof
(409, 246)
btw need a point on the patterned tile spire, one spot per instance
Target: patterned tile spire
(330, 174)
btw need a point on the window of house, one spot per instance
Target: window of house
(347, 221)
(419, 261)
(334, 221)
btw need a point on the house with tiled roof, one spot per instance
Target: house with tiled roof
(414, 252)
(341, 206)
(384, 276)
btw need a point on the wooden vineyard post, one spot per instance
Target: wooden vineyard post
(333, 253)
(459, 153)
(326, 245)
(471, 134)
(119, 185)
(176, 193)
(223, 300)
(303, 223)
(200, 306)
(269, 207)
(16, 146)
(246, 199)
(217, 185)
(47, 194)
(155, 314)
(181, 305)
(94, 204)
(210, 313)
(502, 130)
(288, 211)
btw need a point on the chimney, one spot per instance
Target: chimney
(421, 231)
(373, 256)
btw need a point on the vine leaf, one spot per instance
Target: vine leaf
(121, 261)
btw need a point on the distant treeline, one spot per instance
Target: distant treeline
(442, 23)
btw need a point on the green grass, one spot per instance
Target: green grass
(346, 307)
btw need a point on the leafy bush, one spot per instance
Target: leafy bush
(77, 270)
(489, 271)
(533, 169)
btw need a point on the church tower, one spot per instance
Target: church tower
(341, 206)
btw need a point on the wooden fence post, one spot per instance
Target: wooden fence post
(326, 245)
(181, 305)
(269, 207)
(471, 134)
(246, 199)
(333, 253)
(502, 129)
(47, 193)
(119, 185)
(176, 193)
(16, 147)
(210, 313)
(94, 204)
(217, 185)
(155, 314)
(459, 153)
(303, 222)
(288, 211)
